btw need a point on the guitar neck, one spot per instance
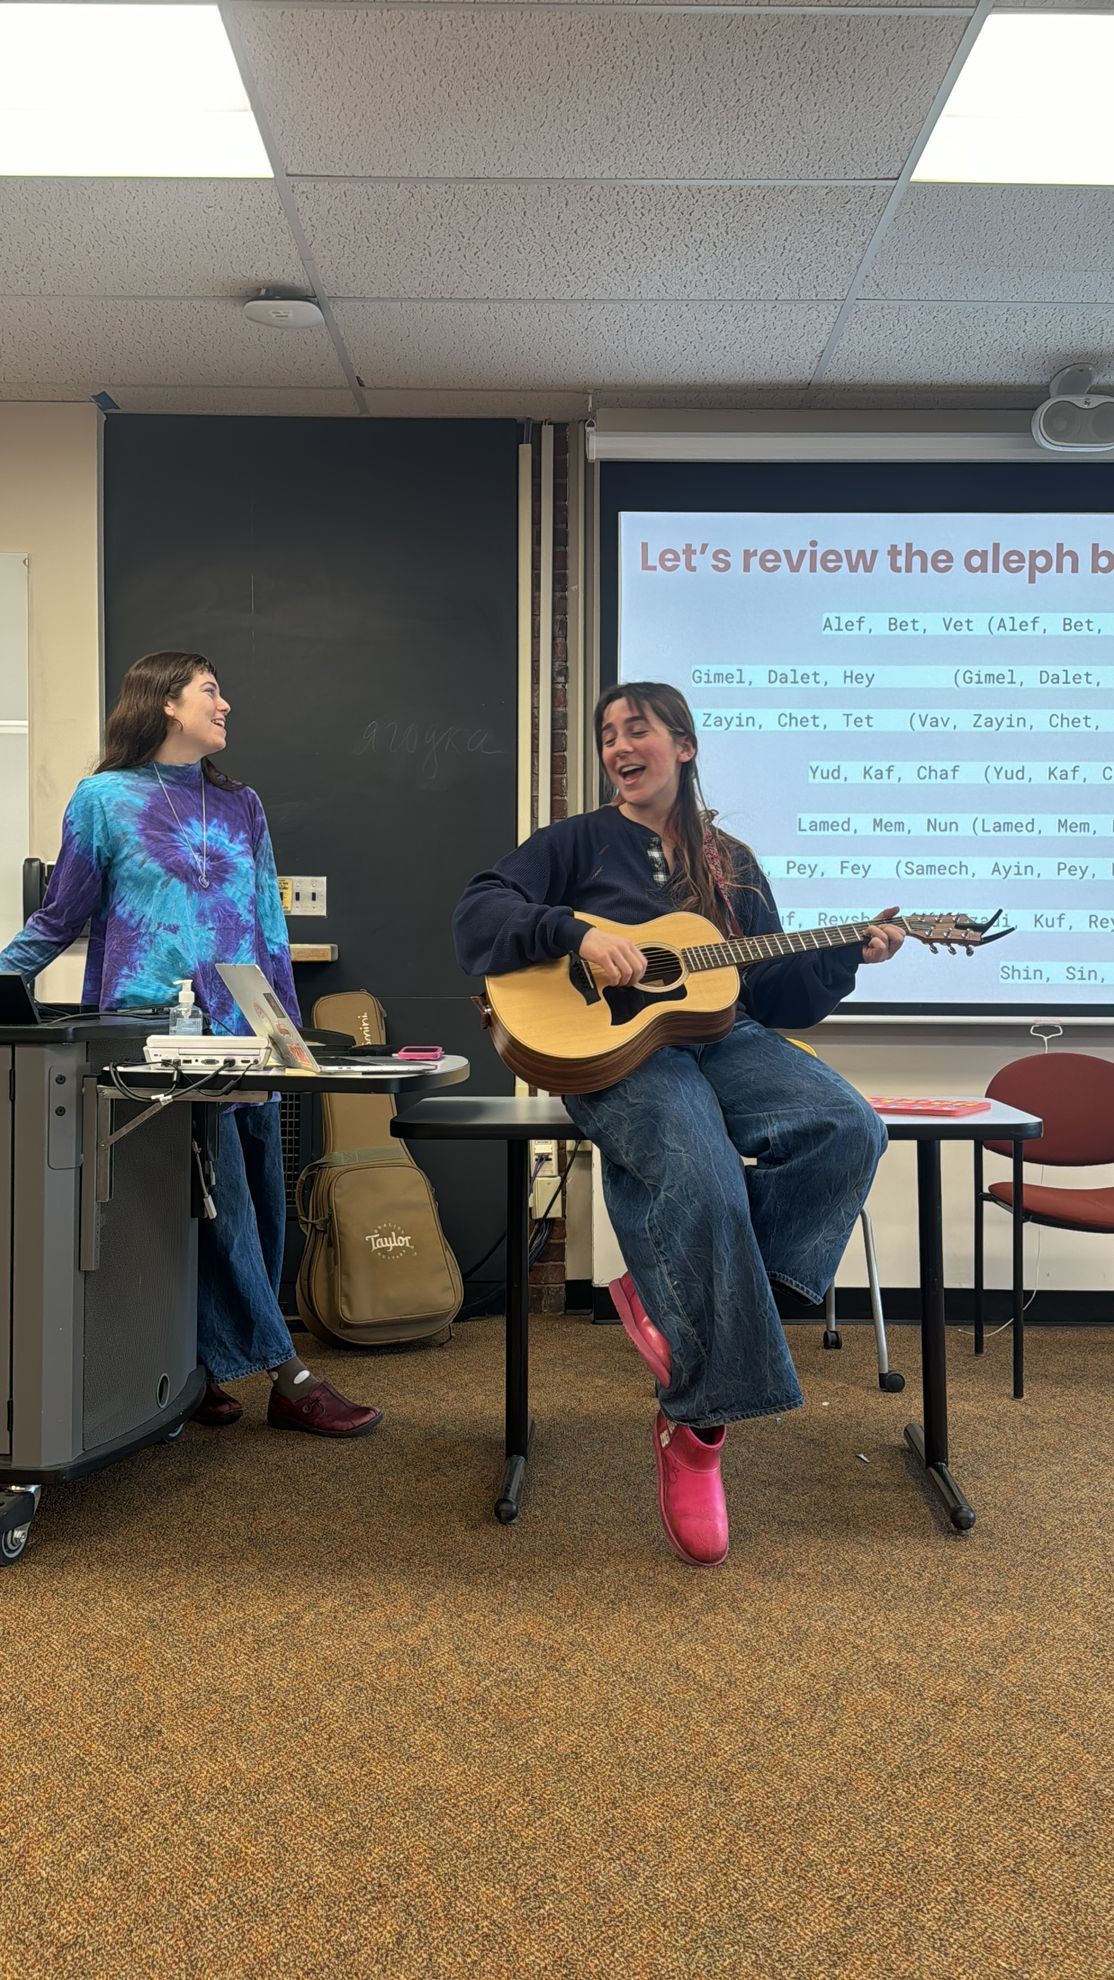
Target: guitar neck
(746, 949)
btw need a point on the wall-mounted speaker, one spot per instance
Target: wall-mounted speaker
(1074, 419)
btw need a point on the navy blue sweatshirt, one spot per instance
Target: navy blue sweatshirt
(523, 911)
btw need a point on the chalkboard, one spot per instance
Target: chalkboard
(353, 583)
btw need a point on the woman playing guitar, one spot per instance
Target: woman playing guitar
(702, 1236)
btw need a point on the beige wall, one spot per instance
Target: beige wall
(50, 512)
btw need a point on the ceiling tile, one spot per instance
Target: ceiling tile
(999, 243)
(156, 343)
(143, 237)
(607, 92)
(472, 239)
(968, 344)
(583, 345)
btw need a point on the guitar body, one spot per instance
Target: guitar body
(557, 1026)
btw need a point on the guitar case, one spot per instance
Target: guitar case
(376, 1269)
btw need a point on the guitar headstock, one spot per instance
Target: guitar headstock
(952, 931)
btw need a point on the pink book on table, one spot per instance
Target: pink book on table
(926, 1103)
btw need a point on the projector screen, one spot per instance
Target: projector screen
(901, 707)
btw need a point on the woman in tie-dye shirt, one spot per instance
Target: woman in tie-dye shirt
(169, 862)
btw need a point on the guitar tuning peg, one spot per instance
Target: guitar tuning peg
(933, 950)
(951, 949)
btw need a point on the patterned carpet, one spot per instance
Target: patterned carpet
(280, 1707)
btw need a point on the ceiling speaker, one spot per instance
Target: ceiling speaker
(284, 313)
(1075, 425)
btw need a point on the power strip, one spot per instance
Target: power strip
(207, 1054)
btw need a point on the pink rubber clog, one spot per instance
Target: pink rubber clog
(690, 1493)
(639, 1328)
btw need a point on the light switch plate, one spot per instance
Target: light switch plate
(307, 894)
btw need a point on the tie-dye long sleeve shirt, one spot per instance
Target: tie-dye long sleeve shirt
(130, 868)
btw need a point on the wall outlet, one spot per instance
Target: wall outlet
(546, 1179)
(307, 895)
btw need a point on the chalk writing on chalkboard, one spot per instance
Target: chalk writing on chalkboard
(428, 744)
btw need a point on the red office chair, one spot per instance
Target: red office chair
(1073, 1094)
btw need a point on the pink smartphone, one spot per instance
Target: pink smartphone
(421, 1052)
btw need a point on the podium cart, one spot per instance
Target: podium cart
(100, 1191)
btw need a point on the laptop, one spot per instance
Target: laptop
(17, 1006)
(257, 1002)
(254, 997)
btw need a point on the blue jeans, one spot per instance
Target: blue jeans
(240, 1328)
(701, 1235)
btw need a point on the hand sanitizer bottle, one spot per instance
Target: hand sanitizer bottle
(186, 1020)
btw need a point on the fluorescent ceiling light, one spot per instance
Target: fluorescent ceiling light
(1031, 106)
(138, 92)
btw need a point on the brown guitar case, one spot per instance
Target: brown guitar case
(376, 1268)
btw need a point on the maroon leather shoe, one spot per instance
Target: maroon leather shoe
(323, 1411)
(218, 1409)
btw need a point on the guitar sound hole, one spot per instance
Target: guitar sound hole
(624, 1001)
(663, 966)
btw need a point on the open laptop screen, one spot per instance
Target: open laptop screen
(17, 1006)
(254, 996)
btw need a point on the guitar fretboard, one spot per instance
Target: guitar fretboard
(760, 948)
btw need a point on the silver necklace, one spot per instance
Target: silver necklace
(202, 863)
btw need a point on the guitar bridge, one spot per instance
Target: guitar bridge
(581, 979)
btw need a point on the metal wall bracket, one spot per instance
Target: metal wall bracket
(98, 1138)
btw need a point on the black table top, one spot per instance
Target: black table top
(76, 1029)
(517, 1117)
(485, 1117)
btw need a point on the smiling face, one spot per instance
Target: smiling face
(196, 719)
(643, 759)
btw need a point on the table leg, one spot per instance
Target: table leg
(1018, 1269)
(931, 1441)
(980, 1247)
(519, 1425)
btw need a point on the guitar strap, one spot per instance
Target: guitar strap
(714, 863)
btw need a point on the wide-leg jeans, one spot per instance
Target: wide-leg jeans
(240, 1328)
(702, 1235)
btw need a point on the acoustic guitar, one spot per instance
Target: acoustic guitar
(558, 1026)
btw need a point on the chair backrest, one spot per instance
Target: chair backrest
(1074, 1095)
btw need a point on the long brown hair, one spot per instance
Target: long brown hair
(691, 824)
(138, 725)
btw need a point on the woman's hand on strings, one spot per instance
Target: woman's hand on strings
(886, 938)
(612, 957)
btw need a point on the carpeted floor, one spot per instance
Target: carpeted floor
(280, 1707)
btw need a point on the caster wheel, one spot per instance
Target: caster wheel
(832, 1337)
(12, 1544)
(891, 1381)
